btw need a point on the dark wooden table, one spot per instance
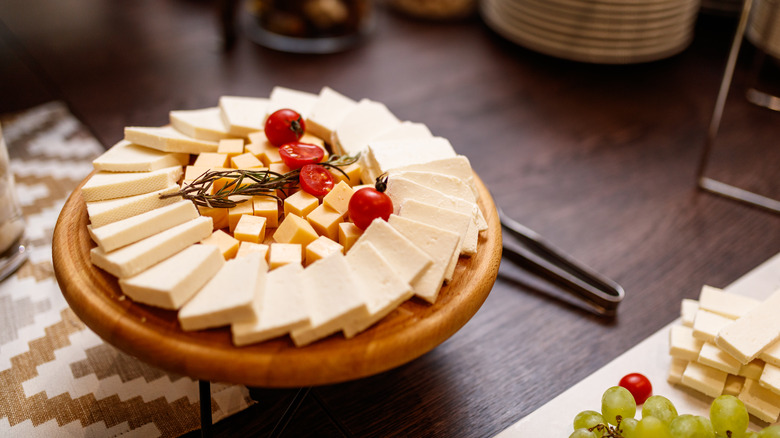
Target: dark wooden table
(599, 159)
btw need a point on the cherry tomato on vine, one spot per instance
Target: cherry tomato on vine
(638, 385)
(284, 126)
(368, 204)
(316, 180)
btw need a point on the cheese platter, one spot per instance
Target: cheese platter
(100, 267)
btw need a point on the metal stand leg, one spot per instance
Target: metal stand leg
(712, 185)
(281, 425)
(204, 389)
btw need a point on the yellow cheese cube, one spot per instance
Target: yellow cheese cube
(245, 161)
(261, 148)
(219, 216)
(321, 248)
(268, 208)
(211, 160)
(281, 254)
(348, 234)
(338, 198)
(242, 208)
(231, 146)
(300, 203)
(279, 168)
(325, 221)
(191, 173)
(245, 248)
(250, 229)
(352, 174)
(228, 246)
(295, 229)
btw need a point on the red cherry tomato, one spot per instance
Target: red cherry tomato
(368, 204)
(284, 126)
(295, 155)
(638, 385)
(316, 180)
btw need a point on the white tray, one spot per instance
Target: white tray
(651, 358)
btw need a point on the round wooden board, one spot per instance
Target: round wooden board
(153, 335)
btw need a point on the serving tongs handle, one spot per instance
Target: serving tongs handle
(536, 254)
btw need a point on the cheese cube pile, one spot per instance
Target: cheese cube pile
(730, 344)
(295, 266)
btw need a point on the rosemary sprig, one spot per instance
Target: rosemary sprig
(260, 183)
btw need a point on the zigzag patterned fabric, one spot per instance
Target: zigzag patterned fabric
(57, 377)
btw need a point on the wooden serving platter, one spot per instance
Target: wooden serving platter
(153, 335)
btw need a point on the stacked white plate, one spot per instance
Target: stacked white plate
(597, 31)
(763, 28)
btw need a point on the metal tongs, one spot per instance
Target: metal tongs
(537, 255)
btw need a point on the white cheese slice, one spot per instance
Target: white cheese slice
(111, 210)
(401, 189)
(682, 344)
(449, 220)
(676, 370)
(713, 356)
(332, 299)
(771, 354)
(447, 184)
(168, 139)
(382, 156)
(137, 257)
(770, 378)
(723, 303)
(704, 379)
(365, 121)
(203, 124)
(278, 311)
(458, 166)
(327, 112)
(409, 261)
(688, 310)
(243, 115)
(379, 285)
(405, 130)
(226, 298)
(112, 185)
(135, 228)
(176, 279)
(128, 157)
(300, 101)
(438, 243)
(759, 401)
(759, 328)
(706, 325)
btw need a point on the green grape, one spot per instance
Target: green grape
(770, 432)
(651, 427)
(628, 427)
(729, 416)
(688, 426)
(707, 424)
(583, 433)
(659, 407)
(587, 419)
(617, 401)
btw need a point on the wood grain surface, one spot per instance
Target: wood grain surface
(599, 159)
(154, 335)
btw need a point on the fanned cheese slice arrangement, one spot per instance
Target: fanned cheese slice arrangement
(209, 217)
(728, 344)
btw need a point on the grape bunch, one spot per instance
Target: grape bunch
(728, 419)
